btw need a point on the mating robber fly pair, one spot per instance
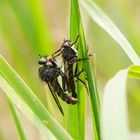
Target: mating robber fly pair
(50, 71)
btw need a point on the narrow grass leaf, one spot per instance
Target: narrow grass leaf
(114, 108)
(23, 97)
(105, 22)
(75, 29)
(17, 120)
(95, 79)
(72, 118)
(24, 108)
(41, 27)
(134, 72)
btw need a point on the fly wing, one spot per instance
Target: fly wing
(56, 100)
(66, 72)
(64, 78)
(64, 81)
(71, 81)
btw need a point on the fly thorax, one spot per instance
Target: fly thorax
(68, 53)
(42, 71)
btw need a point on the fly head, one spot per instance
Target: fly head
(43, 60)
(66, 44)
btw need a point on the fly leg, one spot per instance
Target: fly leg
(81, 59)
(75, 59)
(53, 55)
(75, 40)
(77, 76)
(83, 83)
(76, 70)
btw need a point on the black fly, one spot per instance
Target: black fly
(69, 55)
(49, 72)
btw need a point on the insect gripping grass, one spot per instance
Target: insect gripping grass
(70, 56)
(49, 72)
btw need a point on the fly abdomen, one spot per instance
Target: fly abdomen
(68, 54)
(63, 95)
(69, 99)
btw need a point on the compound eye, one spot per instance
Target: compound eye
(42, 61)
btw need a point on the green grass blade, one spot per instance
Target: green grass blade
(75, 29)
(72, 122)
(41, 27)
(17, 120)
(103, 21)
(72, 118)
(24, 108)
(114, 108)
(23, 97)
(134, 72)
(30, 17)
(16, 53)
(95, 79)
(12, 43)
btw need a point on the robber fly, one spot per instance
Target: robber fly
(70, 56)
(49, 72)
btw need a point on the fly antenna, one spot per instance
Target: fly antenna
(40, 56)
(75, 40)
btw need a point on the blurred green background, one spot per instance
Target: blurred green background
(29, 28)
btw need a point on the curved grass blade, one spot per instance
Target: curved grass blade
(23, 97)
(114, 108)
(17, 120)
(13, 41)
(24, 108)
(105, 22)
(75, 29)
(134, 72)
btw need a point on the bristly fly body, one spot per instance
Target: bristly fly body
(49, 72)
(70, 56)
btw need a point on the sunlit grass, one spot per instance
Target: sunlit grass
(23, 97)
(17, 120)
